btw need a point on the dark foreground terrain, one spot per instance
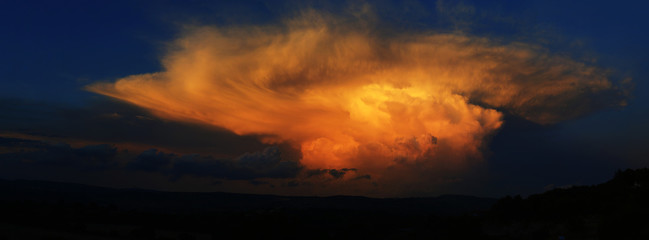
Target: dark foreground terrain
(617, 209)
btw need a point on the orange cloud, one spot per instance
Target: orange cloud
(352, 98)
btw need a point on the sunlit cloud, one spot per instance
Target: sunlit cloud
(349, 96)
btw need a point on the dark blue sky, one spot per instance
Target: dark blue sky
(50, 50)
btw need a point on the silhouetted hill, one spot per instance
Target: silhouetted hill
(201, 202)
(51, 208)
(617, 209)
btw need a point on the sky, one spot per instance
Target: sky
(320, 98)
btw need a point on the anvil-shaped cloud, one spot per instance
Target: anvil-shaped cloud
(349, 96)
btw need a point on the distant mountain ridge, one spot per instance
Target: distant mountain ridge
(616, 209)
(193, 202)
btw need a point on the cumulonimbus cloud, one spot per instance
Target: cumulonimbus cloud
(351, 97)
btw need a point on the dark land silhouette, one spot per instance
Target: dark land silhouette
(617, 209)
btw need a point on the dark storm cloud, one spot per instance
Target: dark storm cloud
(264, 164)
(117, 122)
(367, 176)
(293, 183)
(91, 157)
(340, 173)
(315, 172)
(20, 143)
(335, 173)
(249, 166)
(151, 160)
(259, 183)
